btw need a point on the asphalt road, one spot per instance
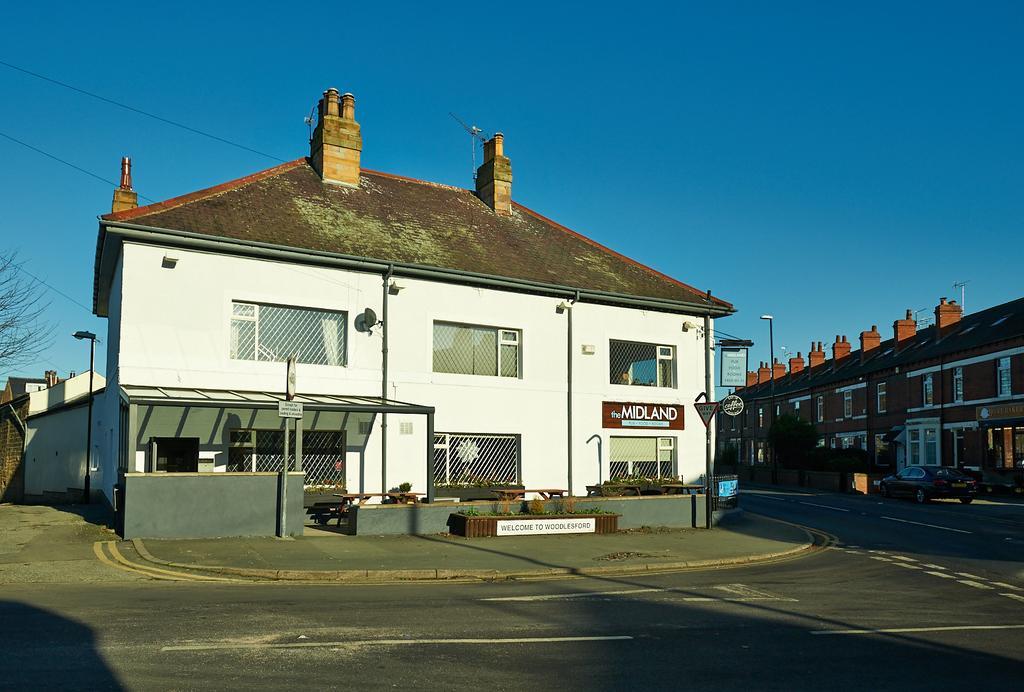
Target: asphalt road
(892, 605)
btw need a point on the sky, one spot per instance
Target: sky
(832, 164)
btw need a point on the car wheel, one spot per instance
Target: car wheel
(921, 497)
(883, 490)
(966, 500)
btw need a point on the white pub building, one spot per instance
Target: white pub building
(443, 336)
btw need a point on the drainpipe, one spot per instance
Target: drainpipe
(384, 381)
(568, 359)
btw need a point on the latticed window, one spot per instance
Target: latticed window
(1003, 382)
(466, 458)
(640, 364)
(262, 451)
(275, 332)
(651, 457)
(468, 349)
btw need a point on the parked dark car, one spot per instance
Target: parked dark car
(1002, 481)
(924, 483)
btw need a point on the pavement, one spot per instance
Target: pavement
(333, 557)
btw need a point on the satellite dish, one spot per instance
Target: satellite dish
(366, 320)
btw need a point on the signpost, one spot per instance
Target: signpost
(733, 368)
(288, 410)
(706, 411)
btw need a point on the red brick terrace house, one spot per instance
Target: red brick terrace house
(950, 394)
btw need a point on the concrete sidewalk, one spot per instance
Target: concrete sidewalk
(741, 539)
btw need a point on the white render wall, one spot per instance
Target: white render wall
(172, 329)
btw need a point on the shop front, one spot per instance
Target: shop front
(1003, 435)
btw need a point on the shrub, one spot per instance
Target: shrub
(536, 506)
(793, 439)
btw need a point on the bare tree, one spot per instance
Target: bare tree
(23, 332)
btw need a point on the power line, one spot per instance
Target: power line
(66, 163)
(139, 111)
(52, 288)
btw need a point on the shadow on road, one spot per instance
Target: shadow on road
(43, 650)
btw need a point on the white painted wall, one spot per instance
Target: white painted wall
(172, 329)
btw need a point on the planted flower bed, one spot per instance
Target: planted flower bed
(473, 524)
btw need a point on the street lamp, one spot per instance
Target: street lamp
(771, 386)
(88, 433)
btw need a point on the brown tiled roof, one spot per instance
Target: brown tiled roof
(406, 221)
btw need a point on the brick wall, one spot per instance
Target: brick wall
(12, 483)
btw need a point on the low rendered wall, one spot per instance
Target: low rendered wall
(864, 483)
(674, 511)
(824, 480)
(209, 505)
(789, 477)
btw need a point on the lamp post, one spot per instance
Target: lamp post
(771, 385)
(88, 433)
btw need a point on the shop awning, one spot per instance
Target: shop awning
(221, 398)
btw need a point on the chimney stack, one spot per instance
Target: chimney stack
(494, 177)
(869, 341)
(51, 378)
(841, 348)
(336, 144)
(946, 315)
(763, 373)
(904, 329)
(751, 378)
(816, 356)
(124, 196)
(779, 369)
(796, 365)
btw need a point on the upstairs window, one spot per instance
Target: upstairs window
(847, 404)
(275, 332)
(820, 414)
(1003, 383)
(928, 390)
(880, 397)
(468, 349)
(642, 365)
(958, 384)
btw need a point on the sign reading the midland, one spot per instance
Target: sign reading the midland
(631, 414)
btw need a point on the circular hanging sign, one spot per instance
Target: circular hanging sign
(732, 405)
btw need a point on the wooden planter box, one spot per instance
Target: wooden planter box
(479, 527)
(470, 494)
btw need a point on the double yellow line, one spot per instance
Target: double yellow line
(108, 553)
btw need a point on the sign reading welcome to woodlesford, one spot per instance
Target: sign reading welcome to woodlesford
(631, 414)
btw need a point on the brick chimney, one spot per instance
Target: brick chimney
(494, 177)
(51, 378)
(124, 196)
(904, 329)
(946, 315)
(816, 356)
(336, 144)
(751, 378)
(841, 348)
(763, 373)
(779, 369)
(869, 341)
(796, 365)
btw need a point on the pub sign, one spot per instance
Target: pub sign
(632, 414)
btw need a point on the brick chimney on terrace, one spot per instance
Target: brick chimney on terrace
(869, 341)
(494, 177)
(779, 369)
(946, 315)
(763, 373)
(51, 378)
(816, 356)
(904, 329)
(751, 378)
(841, 348)
(124, 196)
(336, 144)
(796, 365)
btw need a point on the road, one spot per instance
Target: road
(908, 598)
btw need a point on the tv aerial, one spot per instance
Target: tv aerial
(366, 321)
(475, 135)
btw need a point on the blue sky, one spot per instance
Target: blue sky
(830, 165)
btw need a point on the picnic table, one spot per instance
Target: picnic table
(682, 488)
(626, 489)
(517, 494)
(345, 501)
(401, 497)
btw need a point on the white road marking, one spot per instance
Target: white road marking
(1001, 585)
(904, 565)
(1016, 597)
(838, 509)
(904, 558)
(928, 564)
(906, 630)
(968, 575)
(976, 585)
(931, 526)
(941, 574)
(393, 642)
(769, 497)
(883, 559)
(740, 592)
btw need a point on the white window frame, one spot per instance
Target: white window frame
(663, 353)
(928, 390)
(820, 408)
(1003, 368)
(881, 397)
(847, 404)
(958, 384)
(504, 336)
(663, 444)
(279, 358)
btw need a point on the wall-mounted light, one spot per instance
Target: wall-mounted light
(394, 288)
(169, 262)
(688, 325)
(562, 307)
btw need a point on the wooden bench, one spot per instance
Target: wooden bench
(515, 494)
